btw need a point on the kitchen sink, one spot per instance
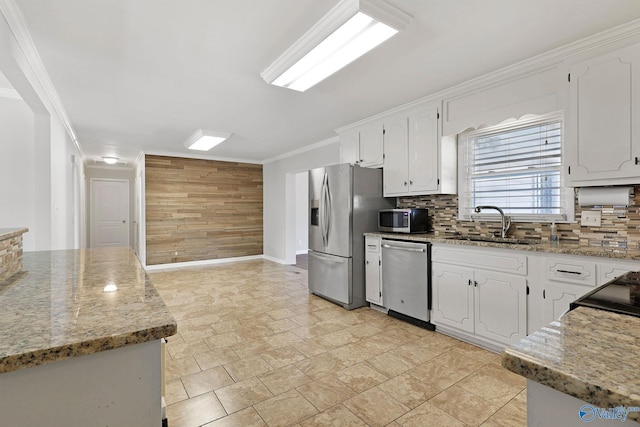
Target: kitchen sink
(503, 240)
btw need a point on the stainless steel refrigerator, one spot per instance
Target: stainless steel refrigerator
(344, 204)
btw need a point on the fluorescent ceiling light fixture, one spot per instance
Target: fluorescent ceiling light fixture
(110, 160)
(205, 140)
(348, 31)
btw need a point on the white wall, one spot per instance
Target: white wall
(44, 162)
(17, 168)
(66, 165)
(302, 212)
(279, 197)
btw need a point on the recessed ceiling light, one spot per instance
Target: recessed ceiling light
(110, 160)
(348, 31)
(204, 140)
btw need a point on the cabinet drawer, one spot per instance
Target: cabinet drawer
(577, 271)
(372, 244)
(608, 271)
(506, 261)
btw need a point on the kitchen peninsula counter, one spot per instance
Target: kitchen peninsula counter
(563, 247)
(82, 328)
(589, 354)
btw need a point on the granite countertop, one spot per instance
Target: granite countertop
(7, 233)
(590, 354)
(57, 308)
(560, 248)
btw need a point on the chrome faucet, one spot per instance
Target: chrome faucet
(506, 220)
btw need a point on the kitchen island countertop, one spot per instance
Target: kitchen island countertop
(7, 233)
(76, 302)
(589, 354)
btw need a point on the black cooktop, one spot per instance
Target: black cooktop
(621, 295)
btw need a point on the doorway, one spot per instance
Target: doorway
(302, 218)
(109, 213)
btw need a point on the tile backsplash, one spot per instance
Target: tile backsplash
(620, 227)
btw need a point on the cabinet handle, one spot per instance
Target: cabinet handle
(367, 262)
(570, 272)
(637, 161)
(411, 182)
(405, 183)
(469, 282)
(475, 284)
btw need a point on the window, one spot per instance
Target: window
(516, 167)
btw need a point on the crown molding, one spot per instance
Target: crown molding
(628, 32)
(332, 140)
(38, 76)
(200, 156)
(9, 93)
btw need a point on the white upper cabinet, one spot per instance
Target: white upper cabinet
(371, 146)
(396, 174)
(417, 160)
(363, 146)
(603, 128)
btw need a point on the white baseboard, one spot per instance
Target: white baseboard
(204, 262)
(302, 252)
(278, 260)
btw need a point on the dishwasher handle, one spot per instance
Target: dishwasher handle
(402, 248)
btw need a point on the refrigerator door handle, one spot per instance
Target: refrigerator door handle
(323, 209)
(326, 210)
(329, 210)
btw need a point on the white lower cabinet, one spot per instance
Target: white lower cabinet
(490, 305)
(452, 295)
(570, 277)
(372, 269)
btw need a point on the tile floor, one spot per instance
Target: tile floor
(255, 349)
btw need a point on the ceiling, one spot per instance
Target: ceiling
(146, 74)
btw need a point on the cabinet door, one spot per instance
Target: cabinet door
(371, 146)
(349, 147)
(500, 306)
(372, 270)
(396, 176)
(452, 291)
(424, 168)
(558, 296)
(603, 140)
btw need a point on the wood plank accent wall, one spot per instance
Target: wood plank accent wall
(202, 209)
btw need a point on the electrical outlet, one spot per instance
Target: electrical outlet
(591, 218)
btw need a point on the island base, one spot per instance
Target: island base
(118, 387)
(549, 407)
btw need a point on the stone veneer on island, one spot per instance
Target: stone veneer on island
(80, 340)
(10, 251)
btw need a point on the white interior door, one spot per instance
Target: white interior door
(109, 213)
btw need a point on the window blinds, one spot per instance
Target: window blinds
(516, 169)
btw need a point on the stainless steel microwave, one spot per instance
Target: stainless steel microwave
(410, 220)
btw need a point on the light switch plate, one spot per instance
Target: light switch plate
(591, 218)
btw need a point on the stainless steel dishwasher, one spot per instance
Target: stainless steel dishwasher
(406, 281)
